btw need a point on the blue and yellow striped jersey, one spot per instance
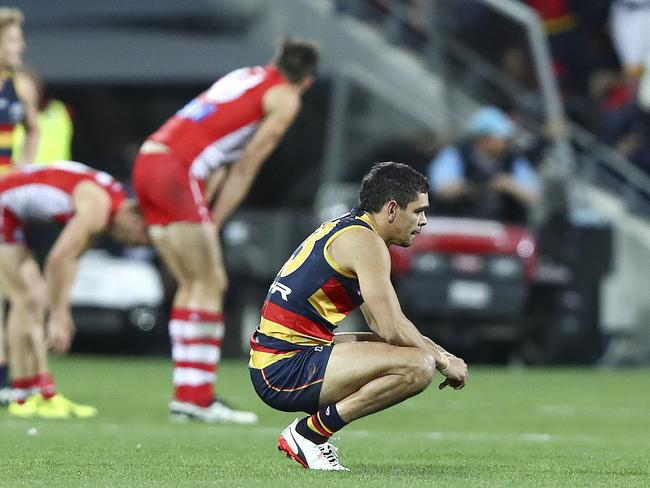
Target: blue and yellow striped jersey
(309, 296)
(12, 113)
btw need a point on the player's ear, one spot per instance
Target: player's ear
(391, 209)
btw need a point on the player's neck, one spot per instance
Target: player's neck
(381, 226)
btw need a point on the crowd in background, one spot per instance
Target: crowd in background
(598, 49)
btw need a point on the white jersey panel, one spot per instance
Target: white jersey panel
(37, 201)
(222, 151)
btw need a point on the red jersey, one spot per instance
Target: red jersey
(213, 129)
(44, 193)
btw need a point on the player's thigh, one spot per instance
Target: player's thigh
(167, 252)
(353, 365)
(190, 249)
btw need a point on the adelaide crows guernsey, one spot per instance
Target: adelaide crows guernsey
(12, 112)
(309, 297)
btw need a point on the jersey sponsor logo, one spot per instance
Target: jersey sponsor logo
(197, 110)
(283, 290)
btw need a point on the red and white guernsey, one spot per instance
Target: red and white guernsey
(44, 193)
(212, 129)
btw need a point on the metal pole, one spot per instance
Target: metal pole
(336, 129)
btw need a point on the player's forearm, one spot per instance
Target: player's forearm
(437, 346)
(59, 277)
(239, 180)
(235, 188)
(30, 147)
(405, 334)
(343, 337)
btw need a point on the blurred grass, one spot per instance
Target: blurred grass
(509, 427)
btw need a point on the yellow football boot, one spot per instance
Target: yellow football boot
(26, 410)
(59, 407)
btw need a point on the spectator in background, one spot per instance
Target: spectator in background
(55, 124)
(630, 26)
(482, 176)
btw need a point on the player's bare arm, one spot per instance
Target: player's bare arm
(364, 253)
(92, 206)
(28, 93)
(346, 337)
(281, 105)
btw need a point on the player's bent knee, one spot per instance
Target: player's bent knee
(420, 371)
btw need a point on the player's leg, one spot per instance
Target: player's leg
(365, 377)
(360, 378)
(25, 315)
(196, 327)
(177, 214)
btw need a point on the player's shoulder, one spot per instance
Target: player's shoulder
(356, 238)
(25, 85)
(282, 97)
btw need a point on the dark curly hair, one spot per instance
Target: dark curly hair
(390, 181)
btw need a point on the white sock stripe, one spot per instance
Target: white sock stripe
(196, 353)
(192, 377)
(181, 329)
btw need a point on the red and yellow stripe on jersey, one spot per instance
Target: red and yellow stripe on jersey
(309, 297)
(12, 113)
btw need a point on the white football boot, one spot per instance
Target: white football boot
(218, 411)
(6, 396)
(322, 457)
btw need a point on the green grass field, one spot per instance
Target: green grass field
(544, 428)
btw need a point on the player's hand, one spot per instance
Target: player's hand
(60, 331)
(455, 374)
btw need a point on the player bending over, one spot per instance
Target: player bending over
(189, 176)
(297, 363)
(88, 203)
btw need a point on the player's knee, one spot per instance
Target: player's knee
(421, 370)
(25, 300)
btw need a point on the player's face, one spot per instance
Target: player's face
(12, 46)
(411, 220)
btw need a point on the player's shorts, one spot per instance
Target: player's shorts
(293, 384)
(167, 193)
(11, 228)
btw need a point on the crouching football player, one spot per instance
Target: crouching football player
(297, 363)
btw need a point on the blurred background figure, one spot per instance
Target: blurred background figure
(55, 123)
(17, 105)
(87, 203)
(630, 26)
(481, 175)
(189, 177)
